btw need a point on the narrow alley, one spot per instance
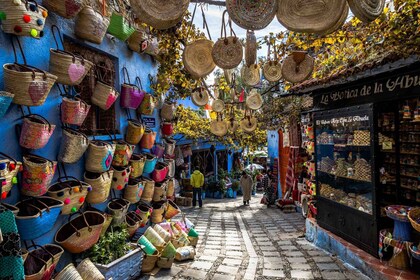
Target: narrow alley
(253, 242)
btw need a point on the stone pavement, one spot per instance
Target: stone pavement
(253, 242)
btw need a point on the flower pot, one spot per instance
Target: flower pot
(235, 194)
(124, 268)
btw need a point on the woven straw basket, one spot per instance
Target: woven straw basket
(64, 8)
(165, 262)
(70, 69)
(81, 233)
(200, 97)
(160, 14)
(29, 85)
(148, 139)
(120, 178)
(134, 190)
(74, 111)
(133, 222)
(138, 41)
(122, 154)
(250, 48)
(218, 127)
(120, 27)
(154, 237)
(37, 175)
(10, 171)
(71, 192)
(36, 132)
(69, 273)
(135, 131)
(5, 101)
(367, 10)
(40, 263)
(251, 14)
(101, 186)
(149, 262)
(251, 74)
(99, 156)
(170, 145)
(149, 188)
(88, 270)
(297, 67)
(137, 162)
(104, 96)
(16, 24)
(413, 217)
(118, 209)
(91, 25)
(254, 101)
(73, 146)
(272, 71)
(167, 112)
(197, 58)
(159, 192)
(158, 213)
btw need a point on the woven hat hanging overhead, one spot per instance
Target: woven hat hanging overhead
(160, 14)
(252, 14)
(311, 16)
(367, 10)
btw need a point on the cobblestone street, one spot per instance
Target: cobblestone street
(253, 242)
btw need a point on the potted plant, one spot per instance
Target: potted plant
(115, 257)
(221, 190)
(235, 188)
(211, 188)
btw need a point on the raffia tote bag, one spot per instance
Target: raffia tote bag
(121, 177)
(118, 208)
(137, 162)
(36, 132)
(148, 139)
(99, 156)
(91, 25)
(249, 123)
(9, 168)
(250, 48)
(311, 16)
(73, 145)
(135, 131)
(218, 127)
(121, 22)
(64, 8)
(74, 111)
(123, 153)
(80, 233)
(160, 14)
(254, 101)
(251, 74)
(170, 145)
(23, 18)
(171, 167)
(134, 190)
(70, 69)
(68, 272)
(101, 186)
(227, 52)
(104, 95)
(131, 95)
(367, 10)
(147, 106)
(272, 67)
(297, 67)
(71, 191)
(251, 14)
(150, 163)
(149, 188)
(138, 41)
(37, 175)
(29, 84)
(167, 112)
(41, 262)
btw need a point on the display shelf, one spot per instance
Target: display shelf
(409, 188)
(412, 165)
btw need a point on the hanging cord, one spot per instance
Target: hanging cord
(205, 24)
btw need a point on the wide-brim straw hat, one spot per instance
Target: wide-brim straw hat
(249, 124)
(250, 48)
(367, 10)
(218, 105)
(200, 97)
(251, 74)
(160, 14)
(272, 71)
(219, 128)
(197, 58)
(254, 101)
(314, 16)
(297, 67)
(251, 14)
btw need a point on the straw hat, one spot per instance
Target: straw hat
(218, 105)
(219, 128)
(249, 124)
(310, 16)
(251, 14)
(197, 58)
(272, 71)
(251, 74)
(254, 100)
(200, 97)
(160, 14)
(250, 48)
(367, 10)
(297, 67)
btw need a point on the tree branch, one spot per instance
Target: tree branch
(210, 2)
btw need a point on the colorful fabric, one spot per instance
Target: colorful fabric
(11, 261)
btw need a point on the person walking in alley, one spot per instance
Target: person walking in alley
(246, 184)
(197, 182)
(269, 193)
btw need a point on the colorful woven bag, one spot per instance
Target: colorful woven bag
(147, 107)
(137, 163)
(167, 112)
(149, 188)
(91, 25)
(121, 177)
(99, 156)
(101, 186)
(170, 145)
(158, 150)
(36, 132)
(5, 101)
(131, 95)
(37, 175)
(160, 172)
(73, 145)
(148, 139)
(134, 190)
(118, 209)
(150, 163)
(9, 169)
(74, 111)
(37, 216)
(119, 25)
(167, 129)
(135, 131)
(64, 8)
(123, 153)
(41, 262)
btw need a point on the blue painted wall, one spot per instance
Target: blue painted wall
(37, 54)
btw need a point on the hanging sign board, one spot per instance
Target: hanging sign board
(150, 122)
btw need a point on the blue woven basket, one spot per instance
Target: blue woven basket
(150, 164)
(5, 100)
(37, 216)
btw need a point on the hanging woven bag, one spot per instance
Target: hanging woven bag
(170, 191)
(297, 67)
(147, 107)
(74, 111)
(187, 151)
(131, 95)
(138, 41)
(37, 175)
(91, 25)
(118, 209)
(160, 14)
(23, 18)
(150, 163)
(367, 10)
(104, 95)
(219, 127)
(120, 177)
(6, 99)
(137, 163)
(73, 145)
(101, 186)
(80, 233)
(37, 216)
(9, 168)
(29, 84)
(158, 213)
(249, 123)
(64, 8)
(170, 145)
(123, 153)
(149, 188)
(159, 192)
(251, 14)
(167, 129)
(160, 172)
(254, 101)
(99, 156)
(41, 262)
(133, 222)
(167, 113)
(71, 191)
(134, 190)
(172, 210)
(251, 74)
(250, 48)
(148, 139)
(36, 132)
(227, 52)
(158, 150)
(200, 97)
(135, 131)
(272, 67)
(171, 167)
(121, 25)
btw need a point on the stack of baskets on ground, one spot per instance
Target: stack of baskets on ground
(166, 242)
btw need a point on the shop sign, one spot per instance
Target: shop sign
(150, 122)
(368, 92)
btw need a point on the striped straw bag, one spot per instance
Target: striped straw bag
(73, 145)
(101, 186)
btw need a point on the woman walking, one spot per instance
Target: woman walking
(246, 184)
(269, 194)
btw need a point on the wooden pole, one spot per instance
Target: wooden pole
(210, 2)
